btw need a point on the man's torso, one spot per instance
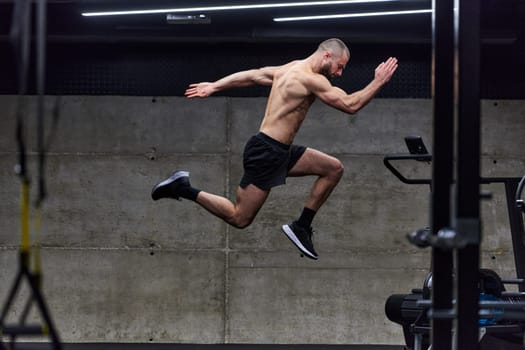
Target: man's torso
(288, 103)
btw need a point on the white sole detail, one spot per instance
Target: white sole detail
(173, 178)
(291, 235)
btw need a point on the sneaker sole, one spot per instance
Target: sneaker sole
(292, 237)
(169, 180)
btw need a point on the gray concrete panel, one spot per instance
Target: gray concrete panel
(369, 208)
(379, 128)
(339, 305)
(105, 201)
(125, 125)
(134, 295)
(503, 126)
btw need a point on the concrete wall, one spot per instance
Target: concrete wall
(119, 267)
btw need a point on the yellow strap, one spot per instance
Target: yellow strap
(24, 216)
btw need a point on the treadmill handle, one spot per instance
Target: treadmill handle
(420, 157)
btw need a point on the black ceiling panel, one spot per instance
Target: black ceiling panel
(143, 54)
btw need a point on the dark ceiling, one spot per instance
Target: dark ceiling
(502, 22)
(110, 54)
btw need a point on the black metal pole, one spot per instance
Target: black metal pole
(44, 312)
(442, 164)
(20, 37)
(41, 82)
(468, 223)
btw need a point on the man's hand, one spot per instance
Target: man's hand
(199, 90)
(385, 70)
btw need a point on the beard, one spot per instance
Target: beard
(325, 70)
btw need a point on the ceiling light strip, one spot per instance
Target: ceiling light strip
(232, 7)
(350, 15)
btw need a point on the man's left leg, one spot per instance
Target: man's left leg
(329, 171)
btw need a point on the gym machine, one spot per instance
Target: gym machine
(501, 313)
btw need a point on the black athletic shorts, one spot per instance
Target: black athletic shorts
(267, 161)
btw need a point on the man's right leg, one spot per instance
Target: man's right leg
(240, 214)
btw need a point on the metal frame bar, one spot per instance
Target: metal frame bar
(442, 164)
(517, 229)
(468, 223)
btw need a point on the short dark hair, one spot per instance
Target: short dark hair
(334, 45)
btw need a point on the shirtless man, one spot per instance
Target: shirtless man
(270, 156)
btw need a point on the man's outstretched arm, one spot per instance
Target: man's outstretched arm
(261, 76)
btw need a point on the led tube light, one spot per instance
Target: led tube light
(350, 15)
(232, 7)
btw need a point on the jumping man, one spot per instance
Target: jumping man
(270, 156)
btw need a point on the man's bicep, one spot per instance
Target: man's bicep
(331, 95)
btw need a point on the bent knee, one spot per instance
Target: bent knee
(240, 222)
(340, 168)
(337, 169)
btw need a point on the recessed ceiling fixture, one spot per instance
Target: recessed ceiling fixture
(187, 19)
(231, 7)
(350, 15)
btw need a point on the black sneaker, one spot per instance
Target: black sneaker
(302, 238)
(170, 188)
